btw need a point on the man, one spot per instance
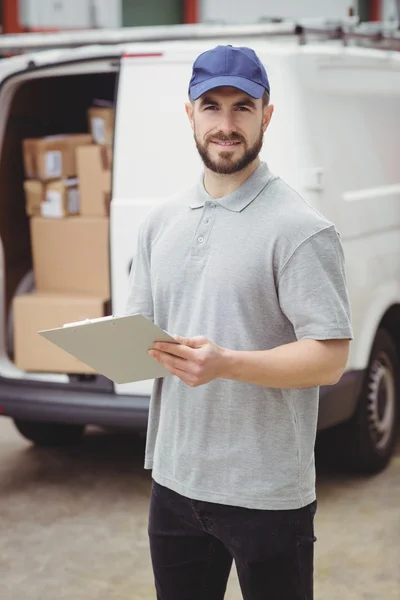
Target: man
(253, 279)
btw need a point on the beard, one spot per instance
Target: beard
(226, 164)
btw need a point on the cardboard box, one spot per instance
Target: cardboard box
(34, 196)
(101, 124)
(52, 157)
(94, 174)
(53, 199)
(36, 311)
(71, 255)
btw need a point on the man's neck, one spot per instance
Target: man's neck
(218, 186)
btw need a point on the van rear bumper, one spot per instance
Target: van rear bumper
(54, 403)
(34, 401)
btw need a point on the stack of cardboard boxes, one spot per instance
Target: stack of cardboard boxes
(67, 193)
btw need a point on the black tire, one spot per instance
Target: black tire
(365, 444)
(50, 434)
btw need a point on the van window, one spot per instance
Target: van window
(154, 150)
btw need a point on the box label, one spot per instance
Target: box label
(73, 201)
(53, 163)
(99, 130)
(52, 207)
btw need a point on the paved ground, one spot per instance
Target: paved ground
(73, 525)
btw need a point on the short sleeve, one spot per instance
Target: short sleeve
(312, 289)
(140, 297)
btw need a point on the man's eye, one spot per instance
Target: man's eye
(243, 108)
(211, 107)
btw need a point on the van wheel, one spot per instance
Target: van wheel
(365, 444)
(49, 434)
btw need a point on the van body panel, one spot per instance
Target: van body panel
(351, 107)
(319, 141)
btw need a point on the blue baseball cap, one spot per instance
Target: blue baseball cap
(231, 66)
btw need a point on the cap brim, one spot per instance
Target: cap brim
(254, 90)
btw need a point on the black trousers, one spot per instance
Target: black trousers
(193, 545)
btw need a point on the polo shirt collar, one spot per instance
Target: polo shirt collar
(240, 198)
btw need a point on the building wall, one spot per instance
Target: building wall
(69, 14)
(251, 11)
(389, 10)
(151, 12)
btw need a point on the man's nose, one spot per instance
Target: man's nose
(227, 124)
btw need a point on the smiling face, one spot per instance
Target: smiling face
(228, 127)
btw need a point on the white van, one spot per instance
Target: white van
(334, 136)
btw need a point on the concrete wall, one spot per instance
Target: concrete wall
(251, 11)
(70, 14)
(389, 10)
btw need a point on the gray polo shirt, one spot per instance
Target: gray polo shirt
(250, 271)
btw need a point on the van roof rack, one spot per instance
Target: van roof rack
(384, 34)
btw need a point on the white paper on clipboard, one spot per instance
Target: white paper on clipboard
(115, 347)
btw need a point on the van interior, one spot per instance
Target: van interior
(44, 106)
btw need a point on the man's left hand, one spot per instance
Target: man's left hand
(195, 361)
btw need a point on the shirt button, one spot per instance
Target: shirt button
(207, 221)
(200, 239)
(212, 205)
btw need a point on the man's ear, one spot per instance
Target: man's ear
(268, 112)
(189, 111)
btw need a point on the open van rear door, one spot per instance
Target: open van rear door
(16, 73)
(148, 168)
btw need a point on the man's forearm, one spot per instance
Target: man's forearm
(302, 364)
